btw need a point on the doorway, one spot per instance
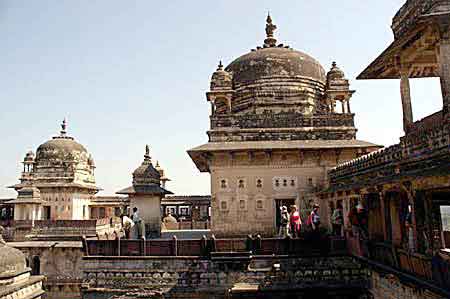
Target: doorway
(288, 202)
(47, 212)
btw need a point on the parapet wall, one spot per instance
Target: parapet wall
(193, 277)
(21, 230)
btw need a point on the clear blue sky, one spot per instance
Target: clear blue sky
(128, 73)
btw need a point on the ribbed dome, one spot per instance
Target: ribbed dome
(275, 62)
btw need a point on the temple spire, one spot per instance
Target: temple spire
(270, 41)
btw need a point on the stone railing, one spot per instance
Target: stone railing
(216, 247)
(281, 120)
(432, 269)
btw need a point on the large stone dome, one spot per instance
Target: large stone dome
(61, 149)
(273, 78)
(275, 62)
(62, 160)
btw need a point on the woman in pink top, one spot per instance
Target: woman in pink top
(296, 222)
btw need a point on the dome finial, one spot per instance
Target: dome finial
(270, 41)
(147, 153)
(63, 127)
(220, 66)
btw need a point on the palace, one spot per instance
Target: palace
(281, 133)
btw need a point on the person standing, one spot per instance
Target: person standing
(337, 220)
(284, 223)
(315, 218)
(296, 222)
(136, 232)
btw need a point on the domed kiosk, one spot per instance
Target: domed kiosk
(145, 195)
(57, 182)
(275, 130)
(15, 278)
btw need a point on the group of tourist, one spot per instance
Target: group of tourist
(291, 222)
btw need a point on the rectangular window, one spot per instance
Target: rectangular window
(242, 204)
(241, 183)
(259, 204)
(223, 184)
(223, 205)
(259, 183)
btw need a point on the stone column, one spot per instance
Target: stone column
(444, 70)
(213, 108)
(406, 98)
(343, 106)
(348, 106)
(383, 213)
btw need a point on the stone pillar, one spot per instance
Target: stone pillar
(444, 71)
(348, 106)
(383, 214)
(342, 106)
(213, 108)
(406, 98)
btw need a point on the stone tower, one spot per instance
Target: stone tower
(275, 131)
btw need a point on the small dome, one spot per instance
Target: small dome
(275, 62)
(29, 157)
(221, 79)
(12, 261)
(335, 73)
(146, 173)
